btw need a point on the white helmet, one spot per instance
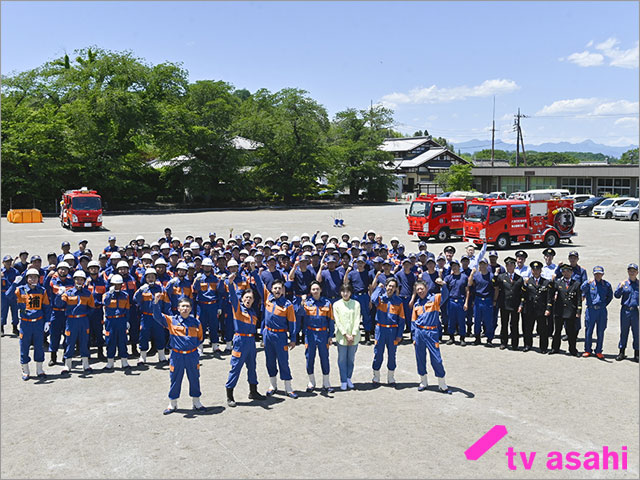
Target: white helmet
(295, 239)
(324, 234)
(246, 231)
(394, 239)
(69, 256)
(269, 239)
(244, 252)
(305, 234)
(249, 259)
(116, 279)
(139, 237)
(347, 235)
(150, 270)
(93, 263)
(257, 235)
(63, 265)
(207, 262)
(164, 245)
(122, 264)
(283, 234)
(147, 256)
(79, 273)
(343, 245)
(160, 261)
(182, 266)
(175, 239)
(232, 263)
(195, 245)
(32, 271)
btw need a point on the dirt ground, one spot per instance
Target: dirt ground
(110, 425)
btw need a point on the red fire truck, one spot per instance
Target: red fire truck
(81, 208)
(440, 217)
(510, 222)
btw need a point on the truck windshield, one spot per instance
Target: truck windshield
(86, 203)
(477, 213)
(420, 209)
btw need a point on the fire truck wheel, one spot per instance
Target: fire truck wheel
(551, 239)
(503, 242)
(443, 235)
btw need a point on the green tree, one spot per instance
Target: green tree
(357, 162)
(630, 156)
(293, 130)
(444, 143)
(458, 177)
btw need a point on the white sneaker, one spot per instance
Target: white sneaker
(312, 382)
(25, 371)
(214, 348)
(161, 356)
(67, 366)
(200, 348)
(390, 377)
(39, 369)
(443, 385)
(110, 362)
(196, 403)
(85, 364)
(350, 383)
(423, 383)
(124, 363)
(376, 376)
(343, 386)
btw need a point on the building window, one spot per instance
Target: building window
(620, 186)
(539, 183)
(576, 184)
(513, 184)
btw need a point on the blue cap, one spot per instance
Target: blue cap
(412, 255)
(387, 262)
(331, 259)
(270, 257)
(6, 258)
(378, 260)
(112, 238)
(598, 269)
(632, 265)
(83, 241)
(422, 244)
(464, 257)
(442, 257)
(235, 247)
(212, 234)
(454, 261)
(35, 257)
(361, 259)
(493, 253)
(406, 260)
(573, 253)
(483, 260)
(66, 244)
(430, 259)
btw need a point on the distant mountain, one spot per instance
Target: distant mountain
(472, 146)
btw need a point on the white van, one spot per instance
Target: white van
(606, 208)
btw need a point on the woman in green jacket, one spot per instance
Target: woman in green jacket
(347, 317)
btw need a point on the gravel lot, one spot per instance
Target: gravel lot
(110, 425)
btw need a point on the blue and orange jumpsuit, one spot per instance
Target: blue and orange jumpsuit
(244, 345)
(389, 326)
(35, 310)
(426, 329)
(57, 320)
(78, 304)
(8, 301)
(143, 299)
(97, 286)
(209, 292)
(319, 329)
(130, 286)
(116, 312)
(243, 281)
(279, 328)
(185, 334)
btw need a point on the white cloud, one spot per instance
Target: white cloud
(615, 56)
(434, 94)
(589, 107)
(586, 59)
(626, 122)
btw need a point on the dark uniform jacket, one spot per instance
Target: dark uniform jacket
(568, 299)
(510, 296)
(537, 298)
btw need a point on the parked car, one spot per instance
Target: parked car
(606, 208)
(497, 195)
(585, 208)
(515, 196)
(579, 197)
(627, 211)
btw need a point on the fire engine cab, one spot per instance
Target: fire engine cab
(81, 208)
(440, 217)
(510, 222)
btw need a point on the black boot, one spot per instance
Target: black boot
(101, 356)
(477, 342)
(253, 393)
(451, 341)
(635, 356)
(1, 330)
(367, 340)
(621, 355)
(468, 330)
(134, 352)
(230, 400)
(53, 359)
(15, 330)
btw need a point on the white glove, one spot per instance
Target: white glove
(128, 326)
(46, 326)
(219, 312)
(61, 290)
(173, 281)
(199, 277)
(145, 287)
(112, 289)
(18, 279)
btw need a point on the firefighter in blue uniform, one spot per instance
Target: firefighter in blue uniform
(320, 328)
(389, 326)
(60, 281)
(208, 292)
(35, 309)
(627, 291)
(143, 298)
(406, 281)
(185, 335)
(98, 286)
(598, 295)
(426, 326)
(78, 302)
(116, 313)
(458, 286)
(9, 274)
(360, 281)
(245, 319)
(485, 293)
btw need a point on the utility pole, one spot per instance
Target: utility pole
(519, 138)
(493, 131)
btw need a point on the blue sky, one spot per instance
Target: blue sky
(571, 66)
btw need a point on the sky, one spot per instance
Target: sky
(571, 67)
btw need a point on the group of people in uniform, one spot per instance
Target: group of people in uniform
(168, 296)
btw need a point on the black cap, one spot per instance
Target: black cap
(565, 266)
(536, 264)
(449, 248)
(509, 260)
(521, 253)
(549, 251)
